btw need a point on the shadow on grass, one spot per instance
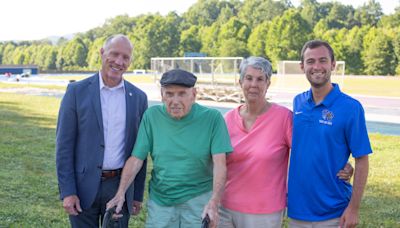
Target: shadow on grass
(28, 184)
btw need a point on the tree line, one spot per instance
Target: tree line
(366, 39)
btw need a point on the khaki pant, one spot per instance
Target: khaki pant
(231, 219)
(321, 224)
(185, 215)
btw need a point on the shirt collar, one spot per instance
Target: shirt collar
(329, 99)
(332, 95)
(102, 85)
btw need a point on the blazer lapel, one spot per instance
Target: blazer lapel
(94, 90)
(129, 112)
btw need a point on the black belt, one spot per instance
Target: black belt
(107, 174)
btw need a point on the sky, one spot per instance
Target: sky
(38, 19)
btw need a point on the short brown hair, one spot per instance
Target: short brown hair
(314, 44)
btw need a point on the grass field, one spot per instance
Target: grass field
(28, 185)
(20, 85)
(129, 77)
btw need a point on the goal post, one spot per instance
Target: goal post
(290, 77)
(217, 77)
(207, 69)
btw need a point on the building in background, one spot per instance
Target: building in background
(19, 69)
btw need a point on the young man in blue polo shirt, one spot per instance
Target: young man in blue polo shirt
(328, 126)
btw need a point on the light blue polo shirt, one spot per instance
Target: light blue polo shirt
(324, 135)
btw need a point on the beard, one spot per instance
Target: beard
(319, 81)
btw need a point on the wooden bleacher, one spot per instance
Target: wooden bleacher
(226, 89)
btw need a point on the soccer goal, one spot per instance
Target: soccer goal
(217, 77)
(290, 77)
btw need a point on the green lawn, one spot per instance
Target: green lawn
(17, 85)
(129, 77)
(28, 185)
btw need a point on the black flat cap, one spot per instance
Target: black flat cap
(178, 77)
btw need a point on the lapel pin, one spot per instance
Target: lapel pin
(130, 94)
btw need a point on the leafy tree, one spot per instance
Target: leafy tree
(353, 47)
(268, 28)
(335, 14)
(30, 53)
(172, 33)
(390, 21)
(72, 56)
(324, 8)
(234, 28)
(309, 10)
(378, 54)
(257, 40)
(155, 36)
(1, 52)
(122, 24)
(93, 58)
(340, 16)
(76, 53)
(320, 29)
(62, 41)
(232, 38)
(287, 36)
(8, 53)
(227, 13)
(18, 56)
(233, 47)
(254, 12)
(347, 45)
(190, 40)
(369, 14)
(43, 55)
(48, 55)
(209, 40)
(204, 12)
(396, 46)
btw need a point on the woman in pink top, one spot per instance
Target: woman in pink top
(261, 135)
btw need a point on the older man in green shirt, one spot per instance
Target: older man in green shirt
(188, 144)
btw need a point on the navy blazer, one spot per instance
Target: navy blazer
(80, 140)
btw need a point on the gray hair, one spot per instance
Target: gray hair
(258, 63)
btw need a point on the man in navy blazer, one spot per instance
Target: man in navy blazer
(96, 131)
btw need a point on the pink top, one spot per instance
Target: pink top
(257, 167)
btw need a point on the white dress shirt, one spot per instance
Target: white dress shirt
(113, 109)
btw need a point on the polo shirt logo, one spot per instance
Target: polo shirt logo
(327, 117)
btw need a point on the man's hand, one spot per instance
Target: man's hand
(137, 206)
(349, 219)
(346, 173)
(211, 209)
(72, 205)
(118, 202)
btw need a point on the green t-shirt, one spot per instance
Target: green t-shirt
(181, 151)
